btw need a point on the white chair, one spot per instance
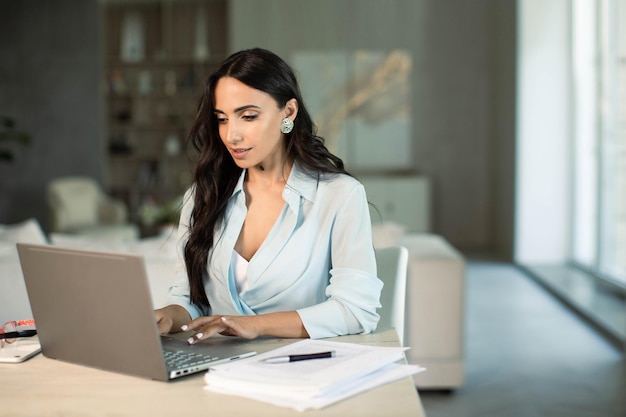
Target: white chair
(392, 263)
(78, 205)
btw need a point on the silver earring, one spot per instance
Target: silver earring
(286, 126)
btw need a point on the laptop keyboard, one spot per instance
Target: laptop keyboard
(178, 359)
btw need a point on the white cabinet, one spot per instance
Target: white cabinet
(400, 199)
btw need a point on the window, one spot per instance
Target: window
(599, 128)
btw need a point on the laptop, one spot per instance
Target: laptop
(94, 308)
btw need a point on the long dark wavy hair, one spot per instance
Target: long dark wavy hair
(216, 174)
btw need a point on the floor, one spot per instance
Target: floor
(527, 354)
(596, 303)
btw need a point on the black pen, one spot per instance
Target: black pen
(19, 333)
(296, 358)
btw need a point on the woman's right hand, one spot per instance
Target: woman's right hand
(170, 319)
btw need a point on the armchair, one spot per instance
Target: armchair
(78, 205)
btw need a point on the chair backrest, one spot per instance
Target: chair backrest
(74, 202)
(392, 263)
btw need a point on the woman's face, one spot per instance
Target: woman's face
(249, 124)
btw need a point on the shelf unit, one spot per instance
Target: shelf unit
(158, 54)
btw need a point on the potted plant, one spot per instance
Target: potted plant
(10, 134)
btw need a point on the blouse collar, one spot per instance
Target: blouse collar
(299, 182)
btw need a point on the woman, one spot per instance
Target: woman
(274, 236)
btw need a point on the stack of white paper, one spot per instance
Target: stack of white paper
(313, 383)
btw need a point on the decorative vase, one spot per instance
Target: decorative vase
(132, 48)
(201, 48)
(172, 145)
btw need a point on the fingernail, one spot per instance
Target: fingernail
(223, 318)
(184, 327)
(199, 335)
(191, 340)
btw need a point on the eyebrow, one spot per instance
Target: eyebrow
(239, 109)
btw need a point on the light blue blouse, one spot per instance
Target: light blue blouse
(318, 259)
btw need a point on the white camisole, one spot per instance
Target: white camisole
(239, 266)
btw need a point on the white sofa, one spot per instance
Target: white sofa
(159, 253)
(435, 298)
(14, 303)
(434, 325)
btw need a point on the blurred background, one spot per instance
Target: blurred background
(107, 89)
(506, 118)
(496, 124)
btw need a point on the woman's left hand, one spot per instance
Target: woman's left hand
(281, 324)
(207, 326)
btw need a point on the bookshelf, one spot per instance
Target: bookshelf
(157, 56)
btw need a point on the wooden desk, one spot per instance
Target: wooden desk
(45, 387)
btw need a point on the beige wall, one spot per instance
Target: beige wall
(462, 91)
(50, 83)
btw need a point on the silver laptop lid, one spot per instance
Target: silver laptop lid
(93, 308)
